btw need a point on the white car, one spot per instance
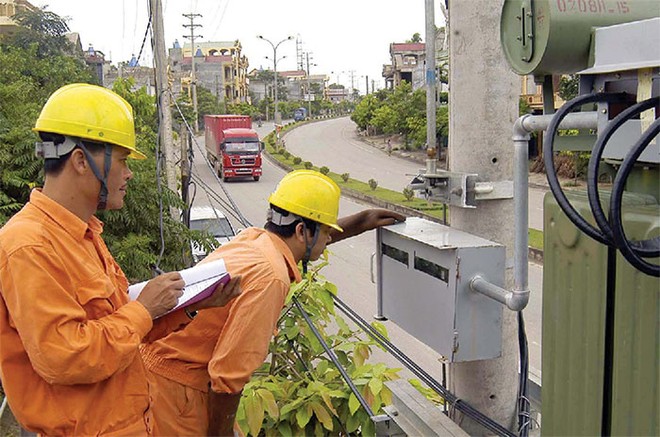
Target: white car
(213, 221)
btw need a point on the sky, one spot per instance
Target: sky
(347, 39)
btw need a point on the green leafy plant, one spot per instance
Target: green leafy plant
(373, 183)
(297, 160)
(408, 194)
(430, 394)
(308, 165)
(324, 170)
(345, 177)
(286, 154)
(300, 391)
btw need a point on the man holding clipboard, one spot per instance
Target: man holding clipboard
(69, 335)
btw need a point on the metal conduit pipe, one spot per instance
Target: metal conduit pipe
(517, 299)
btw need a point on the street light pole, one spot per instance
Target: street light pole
(276, 116)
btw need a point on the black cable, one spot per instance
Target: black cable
(144, 39)
(593, 170)
(618, 232)
(632, 251)
(548, 157)
(311, 376)
(456, 403)
(334, 359)
(215, 196)
(523, 400)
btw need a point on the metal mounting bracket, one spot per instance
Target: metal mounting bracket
(458, 189)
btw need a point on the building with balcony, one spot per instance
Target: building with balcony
(9, 8)
(220, 67)
(408, 62)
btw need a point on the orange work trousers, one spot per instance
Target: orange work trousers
(178, 410)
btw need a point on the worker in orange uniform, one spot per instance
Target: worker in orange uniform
(224, 346)
(69, 336)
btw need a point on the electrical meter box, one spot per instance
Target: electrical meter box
(424, 273)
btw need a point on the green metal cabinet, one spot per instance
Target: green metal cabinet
(574, 284)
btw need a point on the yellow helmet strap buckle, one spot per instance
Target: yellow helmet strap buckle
(107, 161)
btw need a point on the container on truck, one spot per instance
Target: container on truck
(232, 146)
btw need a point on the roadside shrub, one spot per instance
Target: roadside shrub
(308, 165)
(373, 184)
(286, 154)
(298, 391)
(345, 177)
(408, 194)
(324, 170)
(297, 160)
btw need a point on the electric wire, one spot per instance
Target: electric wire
(523, 406)
(244, 221)
(334, 359)
(618, 232)
(456, 402)
(144, 39)
(594, 164)
(311, 376)
(633, 251)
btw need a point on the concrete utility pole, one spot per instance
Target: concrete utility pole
(430, 80)
(309, 91)
(299, 53)
(163, 96)
(483, 105)
(352, 73)
(193, 79)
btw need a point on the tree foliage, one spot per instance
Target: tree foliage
(42, 29)
(133, 234)
(416, 38)
(34, 65)
(568, 86)
(299, 391)
(399, 111)
(32, 68)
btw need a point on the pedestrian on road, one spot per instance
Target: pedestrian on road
(69, 336)
(207, 365)
(389, 147)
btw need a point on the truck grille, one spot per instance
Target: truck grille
(243, 161)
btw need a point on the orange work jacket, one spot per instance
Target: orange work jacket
(69, 336)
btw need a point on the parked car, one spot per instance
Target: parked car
(211, 220)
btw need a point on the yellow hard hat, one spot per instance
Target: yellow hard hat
(309, 194)
(92, 113)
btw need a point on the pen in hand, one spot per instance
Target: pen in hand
(157, 271)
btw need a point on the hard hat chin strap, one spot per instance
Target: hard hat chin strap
(308, 249)
(107, 160)
(50, 150)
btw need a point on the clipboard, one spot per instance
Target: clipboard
(200, 283)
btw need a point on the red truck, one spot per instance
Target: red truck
(232, 146)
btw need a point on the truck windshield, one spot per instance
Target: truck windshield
(243, 147)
